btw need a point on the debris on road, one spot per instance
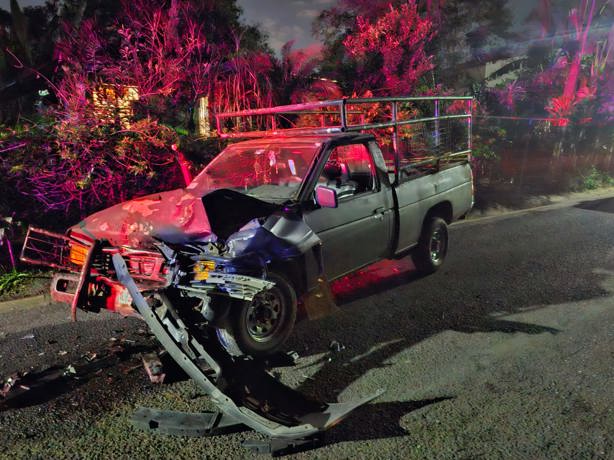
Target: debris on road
(336, 347)
(10, 383)
(30, 388)
(153, 367)
(70, 370)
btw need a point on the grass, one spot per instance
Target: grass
(16, 284)
(12, 280)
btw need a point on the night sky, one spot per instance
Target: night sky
(285, 20)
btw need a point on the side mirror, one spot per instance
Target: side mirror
(326, 197)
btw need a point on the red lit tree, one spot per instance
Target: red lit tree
(172, 53)
(461, 32)
(390, 49)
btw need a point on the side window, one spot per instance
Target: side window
(349, 170)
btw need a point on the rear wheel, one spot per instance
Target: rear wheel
(260, 327)
(432, 248)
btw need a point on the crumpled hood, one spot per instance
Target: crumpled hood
(176, 216)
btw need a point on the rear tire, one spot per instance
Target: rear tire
(262, 326)
(432, 248)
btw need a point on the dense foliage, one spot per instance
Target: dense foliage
(61, 151)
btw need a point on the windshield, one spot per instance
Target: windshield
(269, 171)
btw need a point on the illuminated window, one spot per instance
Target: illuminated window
(114, 102)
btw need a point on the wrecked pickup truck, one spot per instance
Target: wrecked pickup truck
(251, 243)
(261, 230)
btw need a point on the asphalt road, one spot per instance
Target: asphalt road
(507, 352)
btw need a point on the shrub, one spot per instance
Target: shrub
(11, 280)
(79, 164)
(594, 179)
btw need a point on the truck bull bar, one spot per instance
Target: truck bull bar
(85, 265)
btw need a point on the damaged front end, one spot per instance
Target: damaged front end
(187, 293)
(209, 255)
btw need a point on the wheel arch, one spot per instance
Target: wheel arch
(293, 271)
(442, 209)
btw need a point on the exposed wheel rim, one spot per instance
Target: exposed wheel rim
(264, 316)
(438, 245)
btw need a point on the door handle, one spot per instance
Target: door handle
(378, 213)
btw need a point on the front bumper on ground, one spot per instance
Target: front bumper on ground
(258, 400)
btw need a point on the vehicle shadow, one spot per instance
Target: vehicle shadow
(34, 388)
(360, 426)
(602, 205)
(388, 308)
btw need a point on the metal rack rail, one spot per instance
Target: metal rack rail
(438, 133)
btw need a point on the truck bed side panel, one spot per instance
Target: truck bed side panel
(418, 195)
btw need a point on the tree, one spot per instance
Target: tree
(296, 76)
(568, 68)
(390, 50)
(462, 33)
(168, 53)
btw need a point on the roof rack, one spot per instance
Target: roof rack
(417, 132)
(332, 116)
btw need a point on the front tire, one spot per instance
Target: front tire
(432, 248)
(260, 327)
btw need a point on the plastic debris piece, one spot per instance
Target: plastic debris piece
(335, 346)
(70, 370)
(10, 383)
(153, 367)
(62, 352)
(27, 337)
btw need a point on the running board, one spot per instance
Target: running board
(251, 396)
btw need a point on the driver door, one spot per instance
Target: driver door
(358, 231)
